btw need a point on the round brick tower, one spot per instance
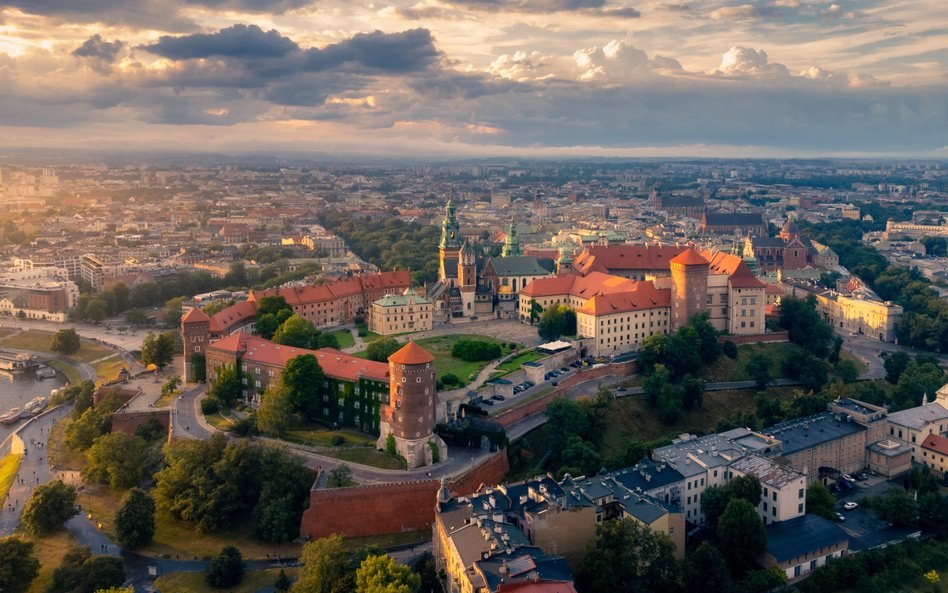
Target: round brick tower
(410, 414)
(689, 271)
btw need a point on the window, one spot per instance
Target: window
(800, 493)
(800, 508)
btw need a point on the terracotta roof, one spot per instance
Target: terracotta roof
(411, 353)
(581, 286)
(237, 313)
(646, 296)
(740, 276)
(605, 258)
(195, 315)
(689, 257)
(936, 443)
(334, 363)
(315, 293)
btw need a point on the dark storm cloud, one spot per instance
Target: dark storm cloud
(140, 13)
(238, 41)
(97, 48)
(396, 52)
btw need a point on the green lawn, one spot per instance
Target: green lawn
(732, 369)
(40, 342)
(8, 466)
(60, 456)
(845, 355)
(107, 370)
(517, 361)
(367, 456)
(440, 348)
(345, 339)
(218, 421)
(164, 400)
(193, 582)
(324, 437)
(50, 551)
(71, 374)
(179, 538)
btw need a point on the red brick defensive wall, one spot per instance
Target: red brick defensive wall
(129, 422)
(389, 508)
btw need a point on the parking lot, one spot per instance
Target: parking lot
(861, 524)
(525, 389)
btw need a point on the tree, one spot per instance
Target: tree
(227, 387)
(96, 311)
(65, 341)
(158, 349)
(896, 506)
(282, 582)
(121, 294)
(475, 350)
(933, 515)
(275, 415)
(580, 455)
(820, 501)
(324, 565)
(705, 571)
(805, 326)
(340, 477)
(709, 347)
(135, 519)
(746, 488)
(565, 417)
(136, 317)
(304, 377)
(552, 323)
(715, 499)
(380, 349)
(895, 364)
(18, 564)
(847, 371)
(768, 409)
(758, 368)
(381, 574)
(742, 534)
(627, 557)
(535, 311)
(80, 572)
(170, 385)
(51, 505)
(654, 350)
(296, 331)
(119, 460)
(425, 566)
(226, 570)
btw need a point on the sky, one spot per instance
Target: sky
(774, 78)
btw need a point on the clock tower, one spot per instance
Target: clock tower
(449, 246)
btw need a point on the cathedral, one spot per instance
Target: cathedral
(472, 284)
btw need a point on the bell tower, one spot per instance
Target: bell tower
(512, 242)
(196, 335)
(449, 245)
(467, 278)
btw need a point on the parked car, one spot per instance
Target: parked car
(497, 397)
(487, 402)
(848, 478)
(840, 517)
(529, 383)
(554, 383)
(851, 505)
(564, 370)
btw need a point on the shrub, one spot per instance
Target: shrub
(337, 440)
(475, 350)
(450, 379)
(730, 349)
(210, 405)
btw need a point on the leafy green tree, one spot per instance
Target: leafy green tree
(340, 477)
(173, 310)
(121, 294)
(381, 574)
(324, 563)
(742, 534)
(923, 480)
(304, 377)
(96, 311)
(136, 317)
(275, 415)
(296, 331)
(581, 455)
(715, 499)
(847, 371)
(158, 349)
(760, 581)
(170, 385)
(692, 392)
(146, 294)
(282, 581)
(50, 506)
(65, 341)
(896, 506)
(475, 350)
(709, 348)
(552, 322)
(895, 364)
(730, 349)
(820, 501)
(626, 557)
(933, 515)
(227, 387)
(801, 319)
(18, 565)
(226, 569)
(535, 311)
(135, 519)
(119, 460)
(758, 367)
(425, 567)
(705, 570)
(380, 349)
(916, 382)
(565, 417)
(768, 409)
(654, 350)
(80, 572)
(272, 311)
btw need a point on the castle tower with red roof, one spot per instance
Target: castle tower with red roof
(410, 413)
(689, 272)
(467, 278)
(196, 334)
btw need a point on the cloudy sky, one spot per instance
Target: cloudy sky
(478, 77)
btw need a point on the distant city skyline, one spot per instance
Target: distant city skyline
(479, 78)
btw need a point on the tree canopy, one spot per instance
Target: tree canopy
(65, 341)
(627, 557)
(18, 564)
(50, 506)
(135, 519)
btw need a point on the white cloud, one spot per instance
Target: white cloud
(747, 61)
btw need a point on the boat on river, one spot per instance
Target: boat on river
(10, 417)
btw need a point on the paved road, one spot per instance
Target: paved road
(34, 467)
(187, 421)
(130, 340)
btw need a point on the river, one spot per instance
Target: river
(16, 390)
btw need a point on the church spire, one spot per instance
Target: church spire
(450, 229)
(512, 242)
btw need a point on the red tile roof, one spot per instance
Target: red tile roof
(344, 287)
(646, 296)
(411, 353)
(734, 266)
(689, 257)
(605, 258)
(238, 313)
(195, 315)
(936, 443)
(581, 286)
